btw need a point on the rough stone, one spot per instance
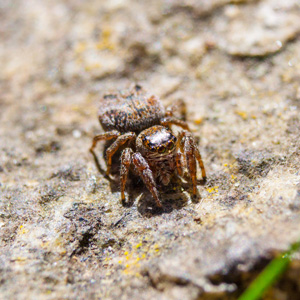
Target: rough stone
(63, 232)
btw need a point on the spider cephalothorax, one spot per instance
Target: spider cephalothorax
(157, 145)
(156, 139)
(153, 152)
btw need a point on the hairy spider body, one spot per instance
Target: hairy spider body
(153, 152)
(127, 113)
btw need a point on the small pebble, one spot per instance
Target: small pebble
(76, 134)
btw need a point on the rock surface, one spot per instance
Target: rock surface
(64, 233)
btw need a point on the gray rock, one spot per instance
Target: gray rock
(63, 232)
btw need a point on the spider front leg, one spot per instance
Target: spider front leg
(121, 140)
(188, 146)
(125, 165)
(144, 171)
(178, 161)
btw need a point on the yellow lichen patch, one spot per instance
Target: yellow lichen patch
(44, 244)
(214, 189)
(242, 114)
(198, 121)
(80, 47)
(19, 259)
(287, 76)
(227, 167)
(91, 67)
(138, 245)
(247, 211)
(138, 275)
(131, 259)
(63, 252)
(22, 230)
(105, 41)
(156, 247)
(230, 168)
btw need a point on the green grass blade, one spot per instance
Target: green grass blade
(269, 275)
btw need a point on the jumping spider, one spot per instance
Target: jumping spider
(153, 152)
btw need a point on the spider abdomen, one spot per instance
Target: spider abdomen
(130, 113)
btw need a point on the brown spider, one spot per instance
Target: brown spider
(153, 152)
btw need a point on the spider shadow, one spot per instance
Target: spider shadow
(98, 166)
(114, 177)
(146, 205)
(173, 197)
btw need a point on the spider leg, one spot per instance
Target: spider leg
(191, 163)
(200, 162)
(121, 140)
(125, 165)
(104, 136)
(177, 106)
(167, 121)
(145, 173)
(178, 160)
(191, 152)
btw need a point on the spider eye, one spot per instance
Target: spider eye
(162, 149)
(170, 146)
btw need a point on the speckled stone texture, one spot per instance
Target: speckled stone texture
(63, 232)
